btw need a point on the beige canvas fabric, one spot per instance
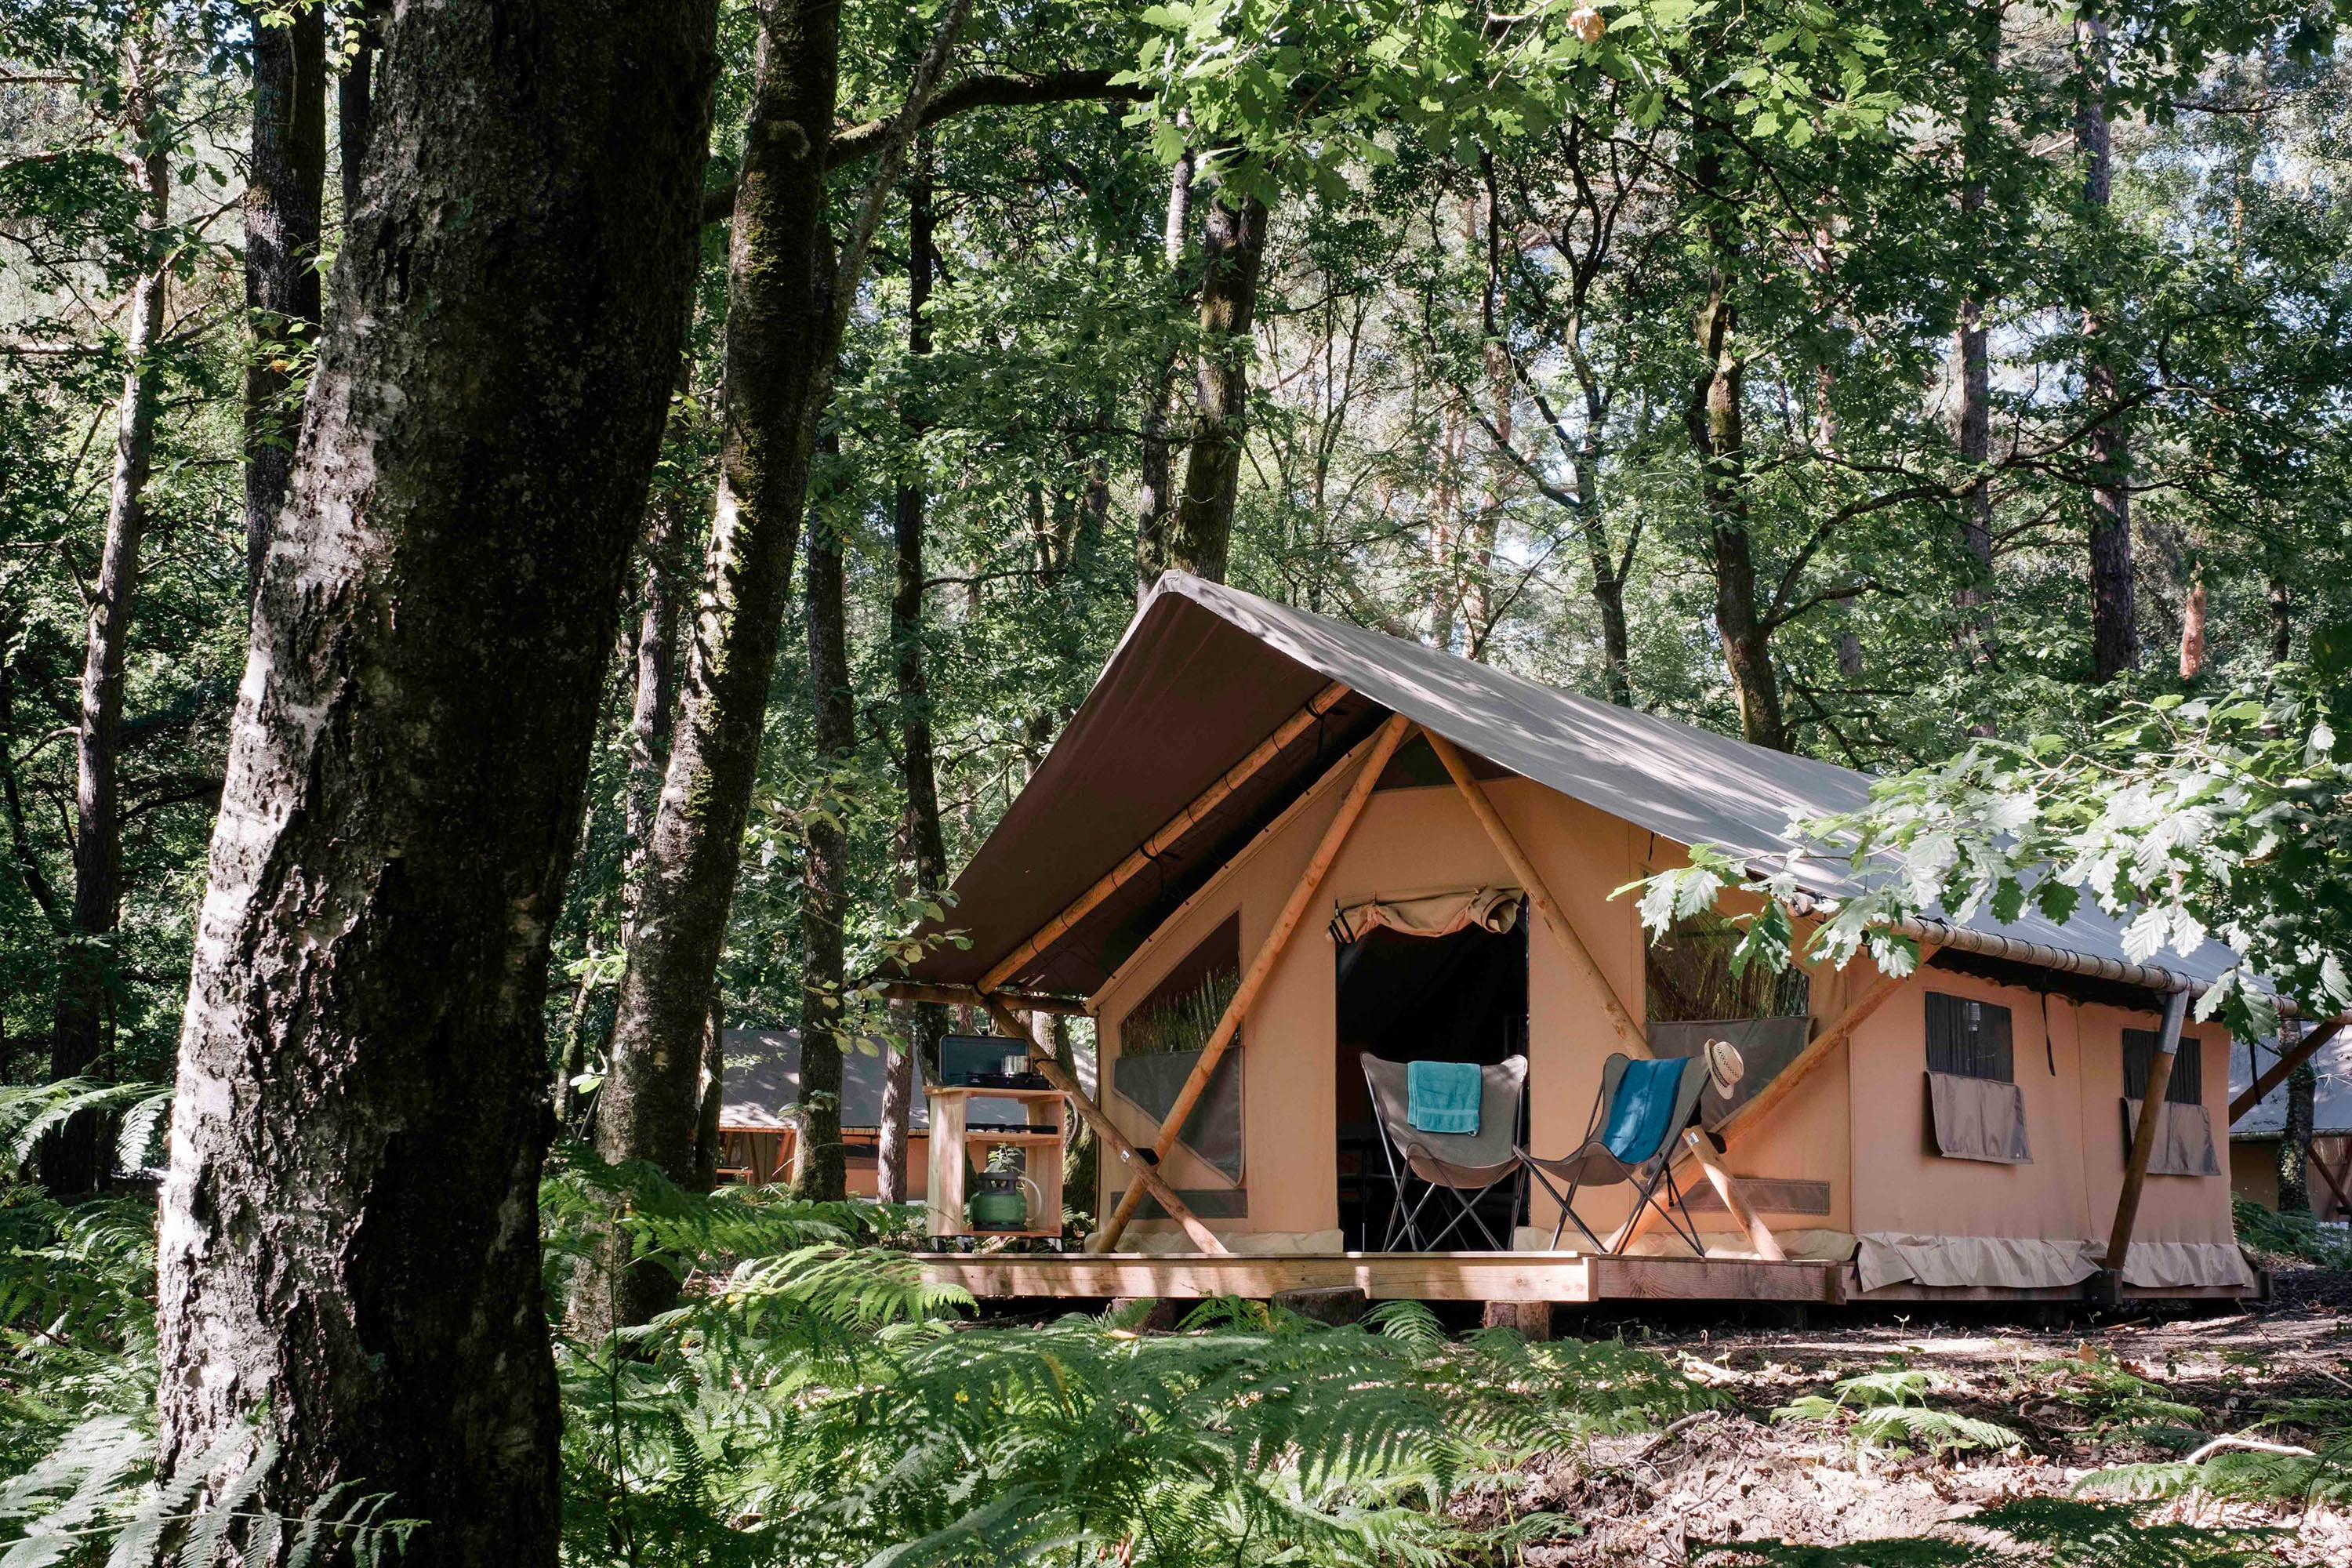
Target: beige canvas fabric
(2017, 1263)
(1978, 1119)
(2170, 1265)
(1811, 1244)
(2184, 1140)
(1431, 914)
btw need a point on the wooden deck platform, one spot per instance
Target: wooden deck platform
(1566, 1277)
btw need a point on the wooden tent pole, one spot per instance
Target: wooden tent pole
(1176, 827)
(1636, 1038)
(2338, 1180)
(2275, 1074)
(1105, 1129)
(2143, 1144)
(1750, 1116)
(1269, 952)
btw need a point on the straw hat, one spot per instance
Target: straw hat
(1724, 1066)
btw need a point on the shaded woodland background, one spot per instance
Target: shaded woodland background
(1468, 421)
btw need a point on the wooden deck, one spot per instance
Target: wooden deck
(1566, 1277)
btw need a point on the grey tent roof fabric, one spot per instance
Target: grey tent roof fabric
(2331, 1100)
(1205, 671)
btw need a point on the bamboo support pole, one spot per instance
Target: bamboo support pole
(969, 997)
(2143, 1144)
(2339, 1181)
(2271, 1076)
(1269, 952)
(1636, 1038)
(1105, 1129)
(1231, 779)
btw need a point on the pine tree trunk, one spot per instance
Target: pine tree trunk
(2115, 635)
(72, 1159)
(779, 277)
(1233, 240)
(284, 190)
(2294, 1143)
(922, 1023)
(818, 1171)
(349, 1239)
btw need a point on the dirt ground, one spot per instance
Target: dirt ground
(2068, 1391)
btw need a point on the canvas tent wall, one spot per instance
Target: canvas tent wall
(1596, 796)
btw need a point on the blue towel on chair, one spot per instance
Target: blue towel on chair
(1443, 1097)
(1645, 1101)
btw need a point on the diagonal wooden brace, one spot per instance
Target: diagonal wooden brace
(2289, 1059)
(2143, 1144)
(1392, 734)
(1105, 1129)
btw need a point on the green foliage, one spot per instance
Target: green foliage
(1889, 1409)
(2292, 1235)
(2063, 1532)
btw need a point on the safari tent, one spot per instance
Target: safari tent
(1334, 842)
(2255, 1135)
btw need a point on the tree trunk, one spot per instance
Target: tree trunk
(818, 1171)
(72, 1160)
(784, 323)
(713, 1102)
(2192, 630)
(2294, 1141)
(1233, 240)
(2115, 635)
(284, 190)
(1972, 421)
(653, 710)
(2282, 621)
(1713, 419)
(1155, 487)
(354, 107)
(348, 1240)
(922, 1023)
(778, 286)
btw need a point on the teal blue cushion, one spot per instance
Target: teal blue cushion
(1443, 1097)
(1644, 1103)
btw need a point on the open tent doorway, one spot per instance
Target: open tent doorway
(1439, 977)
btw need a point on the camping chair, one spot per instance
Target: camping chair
(1630, 1138)
(1465, 1166)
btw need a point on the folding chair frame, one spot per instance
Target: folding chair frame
(1406, 1221)
(1661, 1173)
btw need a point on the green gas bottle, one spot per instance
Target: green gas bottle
(999, 1204)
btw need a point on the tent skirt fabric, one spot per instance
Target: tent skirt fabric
(2025, 1263)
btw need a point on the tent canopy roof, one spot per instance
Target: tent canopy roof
(1205, 672)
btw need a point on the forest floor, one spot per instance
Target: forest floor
(2078, 1396)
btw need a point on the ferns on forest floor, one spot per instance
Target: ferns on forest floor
(1889, 1408)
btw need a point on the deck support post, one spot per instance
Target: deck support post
(2143, 1144)
(1176, 827)
(1105, 1129)
(1269, 952)
(1634, 1038)
(1768, 1098)
(2271, 1076)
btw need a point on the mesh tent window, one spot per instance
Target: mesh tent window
(1969, 1039)
(2187, 1085)
(1687, 977)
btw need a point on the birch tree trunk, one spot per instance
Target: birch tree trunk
(1233, 240)
(349, 1238)
(283, 195)
(72, 1159)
